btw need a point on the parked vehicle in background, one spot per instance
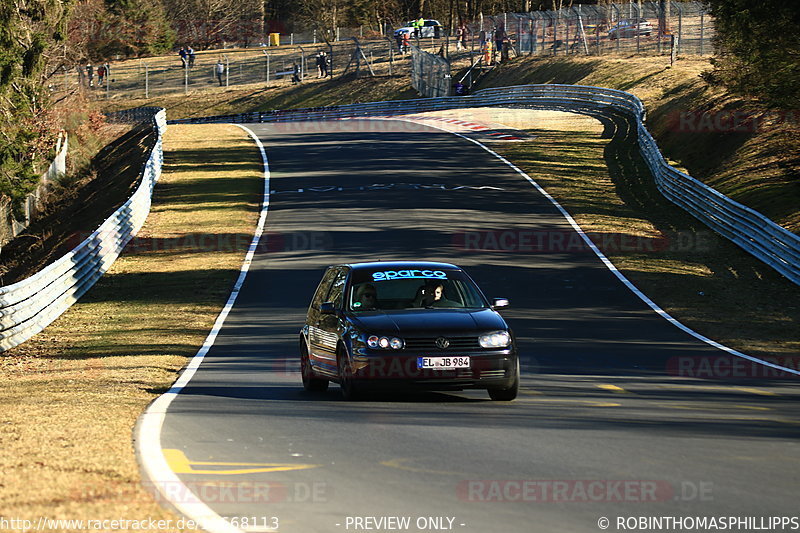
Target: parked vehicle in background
(630, 28)
(432, 28)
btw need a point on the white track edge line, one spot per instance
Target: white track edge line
(654, 306)
(148, 430)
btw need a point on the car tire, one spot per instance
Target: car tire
(348, 387)
(311, 383)
(507, 395)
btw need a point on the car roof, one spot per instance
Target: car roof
(401, 265)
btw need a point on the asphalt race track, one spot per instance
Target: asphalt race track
(602, 428)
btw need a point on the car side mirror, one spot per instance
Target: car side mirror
(327, 308)
(499, 302)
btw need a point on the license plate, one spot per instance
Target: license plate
(443, 363)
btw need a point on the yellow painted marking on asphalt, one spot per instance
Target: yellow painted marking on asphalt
(399, 464)
(756, 391)
(612, 388)
(589, 403)
(530, 392)
(180, 464)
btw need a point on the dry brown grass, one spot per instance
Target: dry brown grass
(73, 393)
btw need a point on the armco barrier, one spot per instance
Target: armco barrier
(752, 231)
(28, 306)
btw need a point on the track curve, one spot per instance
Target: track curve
(598, 409)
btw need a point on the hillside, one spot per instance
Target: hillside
(748, 153)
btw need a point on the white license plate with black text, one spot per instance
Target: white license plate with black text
(443, 363)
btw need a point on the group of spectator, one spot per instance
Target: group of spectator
(186, 54)
(494, 45)
(86, 75)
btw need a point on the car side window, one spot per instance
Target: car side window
(324, 287)
(337, 289)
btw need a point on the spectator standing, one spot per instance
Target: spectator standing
(500, 39)
(101, 75)
(324, 64)
(406, 42)
(487, 52)
(320, 60)
(184, 59)
(219, 70)
(190, 53)
(90, 74)
(295, 73)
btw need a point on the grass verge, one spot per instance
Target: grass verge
(73, 393)
(739, 147)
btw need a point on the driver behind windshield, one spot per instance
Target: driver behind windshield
(366, 297)
(433, 296)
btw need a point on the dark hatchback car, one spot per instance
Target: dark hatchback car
(406, 324)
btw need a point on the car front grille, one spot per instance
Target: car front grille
(429, 343)
(488, 374)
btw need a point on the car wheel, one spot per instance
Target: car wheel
(310, 382)
(506, 395)
(346, 384)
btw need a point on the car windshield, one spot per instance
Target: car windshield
(412, 289)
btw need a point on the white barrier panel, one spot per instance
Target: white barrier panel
(28, 306)
(752, 231)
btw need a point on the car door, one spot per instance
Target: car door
(331, 326)
(318, 342)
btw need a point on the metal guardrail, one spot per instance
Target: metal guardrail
(28, 306)
(752, 231)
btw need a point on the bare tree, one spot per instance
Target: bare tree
(205, 23)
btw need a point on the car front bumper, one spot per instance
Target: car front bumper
(495, 369)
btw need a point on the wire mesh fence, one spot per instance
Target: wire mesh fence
(151, 77)
(430, 73)
(33, 204)
(680, 28)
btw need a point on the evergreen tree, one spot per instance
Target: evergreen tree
(29, 31)
(758, 46)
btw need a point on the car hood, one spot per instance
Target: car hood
(424, 322)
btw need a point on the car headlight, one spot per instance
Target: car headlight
(373, 341)
(496, 339)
